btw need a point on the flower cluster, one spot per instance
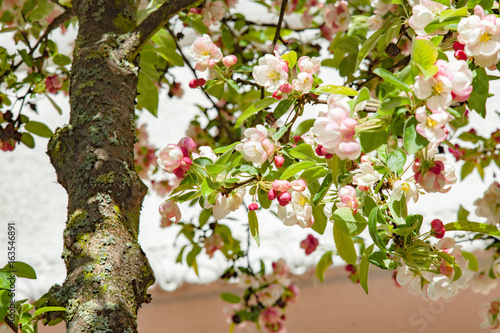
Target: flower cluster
(176, 158)
(256, 146)
(294, 202)
(434, 174)
(423, 14)
(268, 295)
(480, 35)
(334, 130)
(205, 52)
(309, 244)
(490, 312)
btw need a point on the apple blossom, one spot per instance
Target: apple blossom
(224, 204)
(490, 313)
(270, 73)
(433, 175)
(284, 198)
(303, 82)
(337, 16)
(489, 205)
(253, 206)
(205, 53)
(348, 198)
(409, 188)
(299, 185)
(299, 211)
(381, 8)
(170, 157)
(279, 161)
(480, 34)
(256, 147)
(272, 319)
(53, 83)
(309, 65)
(431, 126)
(281, 185)
(366, 175)
(269, 295)
(229, 60)
(375, 22)
(213, 243)
(213, 12)
(423, 14)
(169, 212)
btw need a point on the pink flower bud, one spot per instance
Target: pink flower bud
(229, 60)
(253, 206)
(284, 198)
(286, 88)
(298, 185)
(179, 173)
(309, 244)
(168, 211)
(195, 10)
(281, 185)
(193, 83)
(458, 46)
(187, 143)
(446, 268)
(461, 55)
(186, 163)
(201, 82)
(279, 160)
(271, 195)
(438, 229)
(277, 95)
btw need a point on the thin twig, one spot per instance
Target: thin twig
(280, 22)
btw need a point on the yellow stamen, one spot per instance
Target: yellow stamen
(274, 76)
(431, 122)
(438, 88)
(405, 187)
(302, 201)
(485, 37)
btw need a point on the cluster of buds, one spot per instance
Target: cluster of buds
(268, 295)
(176, 158)
(195, 83)
(9, 134)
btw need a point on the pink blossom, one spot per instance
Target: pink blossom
(303, 82)
(299, 212)
(213, 243)
(280, 267)
(434, 175)
(309, 244)
(431, 126)
(309, 65)
(348, 198)
(205, 53)
(337, 17)
(271, 195)
(53, 83)
(229, 60)
(272, 72)
(168, 211)
(170, 157)
(256, 147)
(213, 12)
(281, 185)
(423, 14)
(334, 131)
(299, 185)
(489, 204)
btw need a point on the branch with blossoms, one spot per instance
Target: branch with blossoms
(367, 153)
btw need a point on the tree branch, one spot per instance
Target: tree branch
(280, 22)
(154, 22)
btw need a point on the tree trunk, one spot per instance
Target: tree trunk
(107, 271)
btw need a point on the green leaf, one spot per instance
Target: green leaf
(442, 22)
(291, 57)
(28, 140)
(424, 53)
(170, 55)
(344, 245)
(304, 152)
(54, 104)
(481, 228)
(324, 262)
(389, 77)
(314, 173)
(216, 89)
(281, 132)
(20, 269)
(374, 220)
(230, 298)
(351, 224)
(372, 140)
(263, 199)
(4, 303)
(207, 187)
(467, 168)
(304, 126)
(254, 108)
(396, 161)
(215, 169)
(471, 258)
(368, 45)
(282, 108)
(204, 216)
(462, 213)
(333, 89)
(61, 59)
(381, 260)
(364, 266)
(323, 189)
(296, 168)
(38, 128)
(320, 219)
(413, 141)
(254, 225)
(48, 309)
(479, 94)
(398, 210)
(147, 94)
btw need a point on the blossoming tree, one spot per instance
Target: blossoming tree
(413, 71)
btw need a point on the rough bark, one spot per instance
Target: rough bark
(107, 272)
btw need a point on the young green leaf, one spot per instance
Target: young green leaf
(344, 244)
(254, 108)
(364, 267)
(324, 262)
(254, 226)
